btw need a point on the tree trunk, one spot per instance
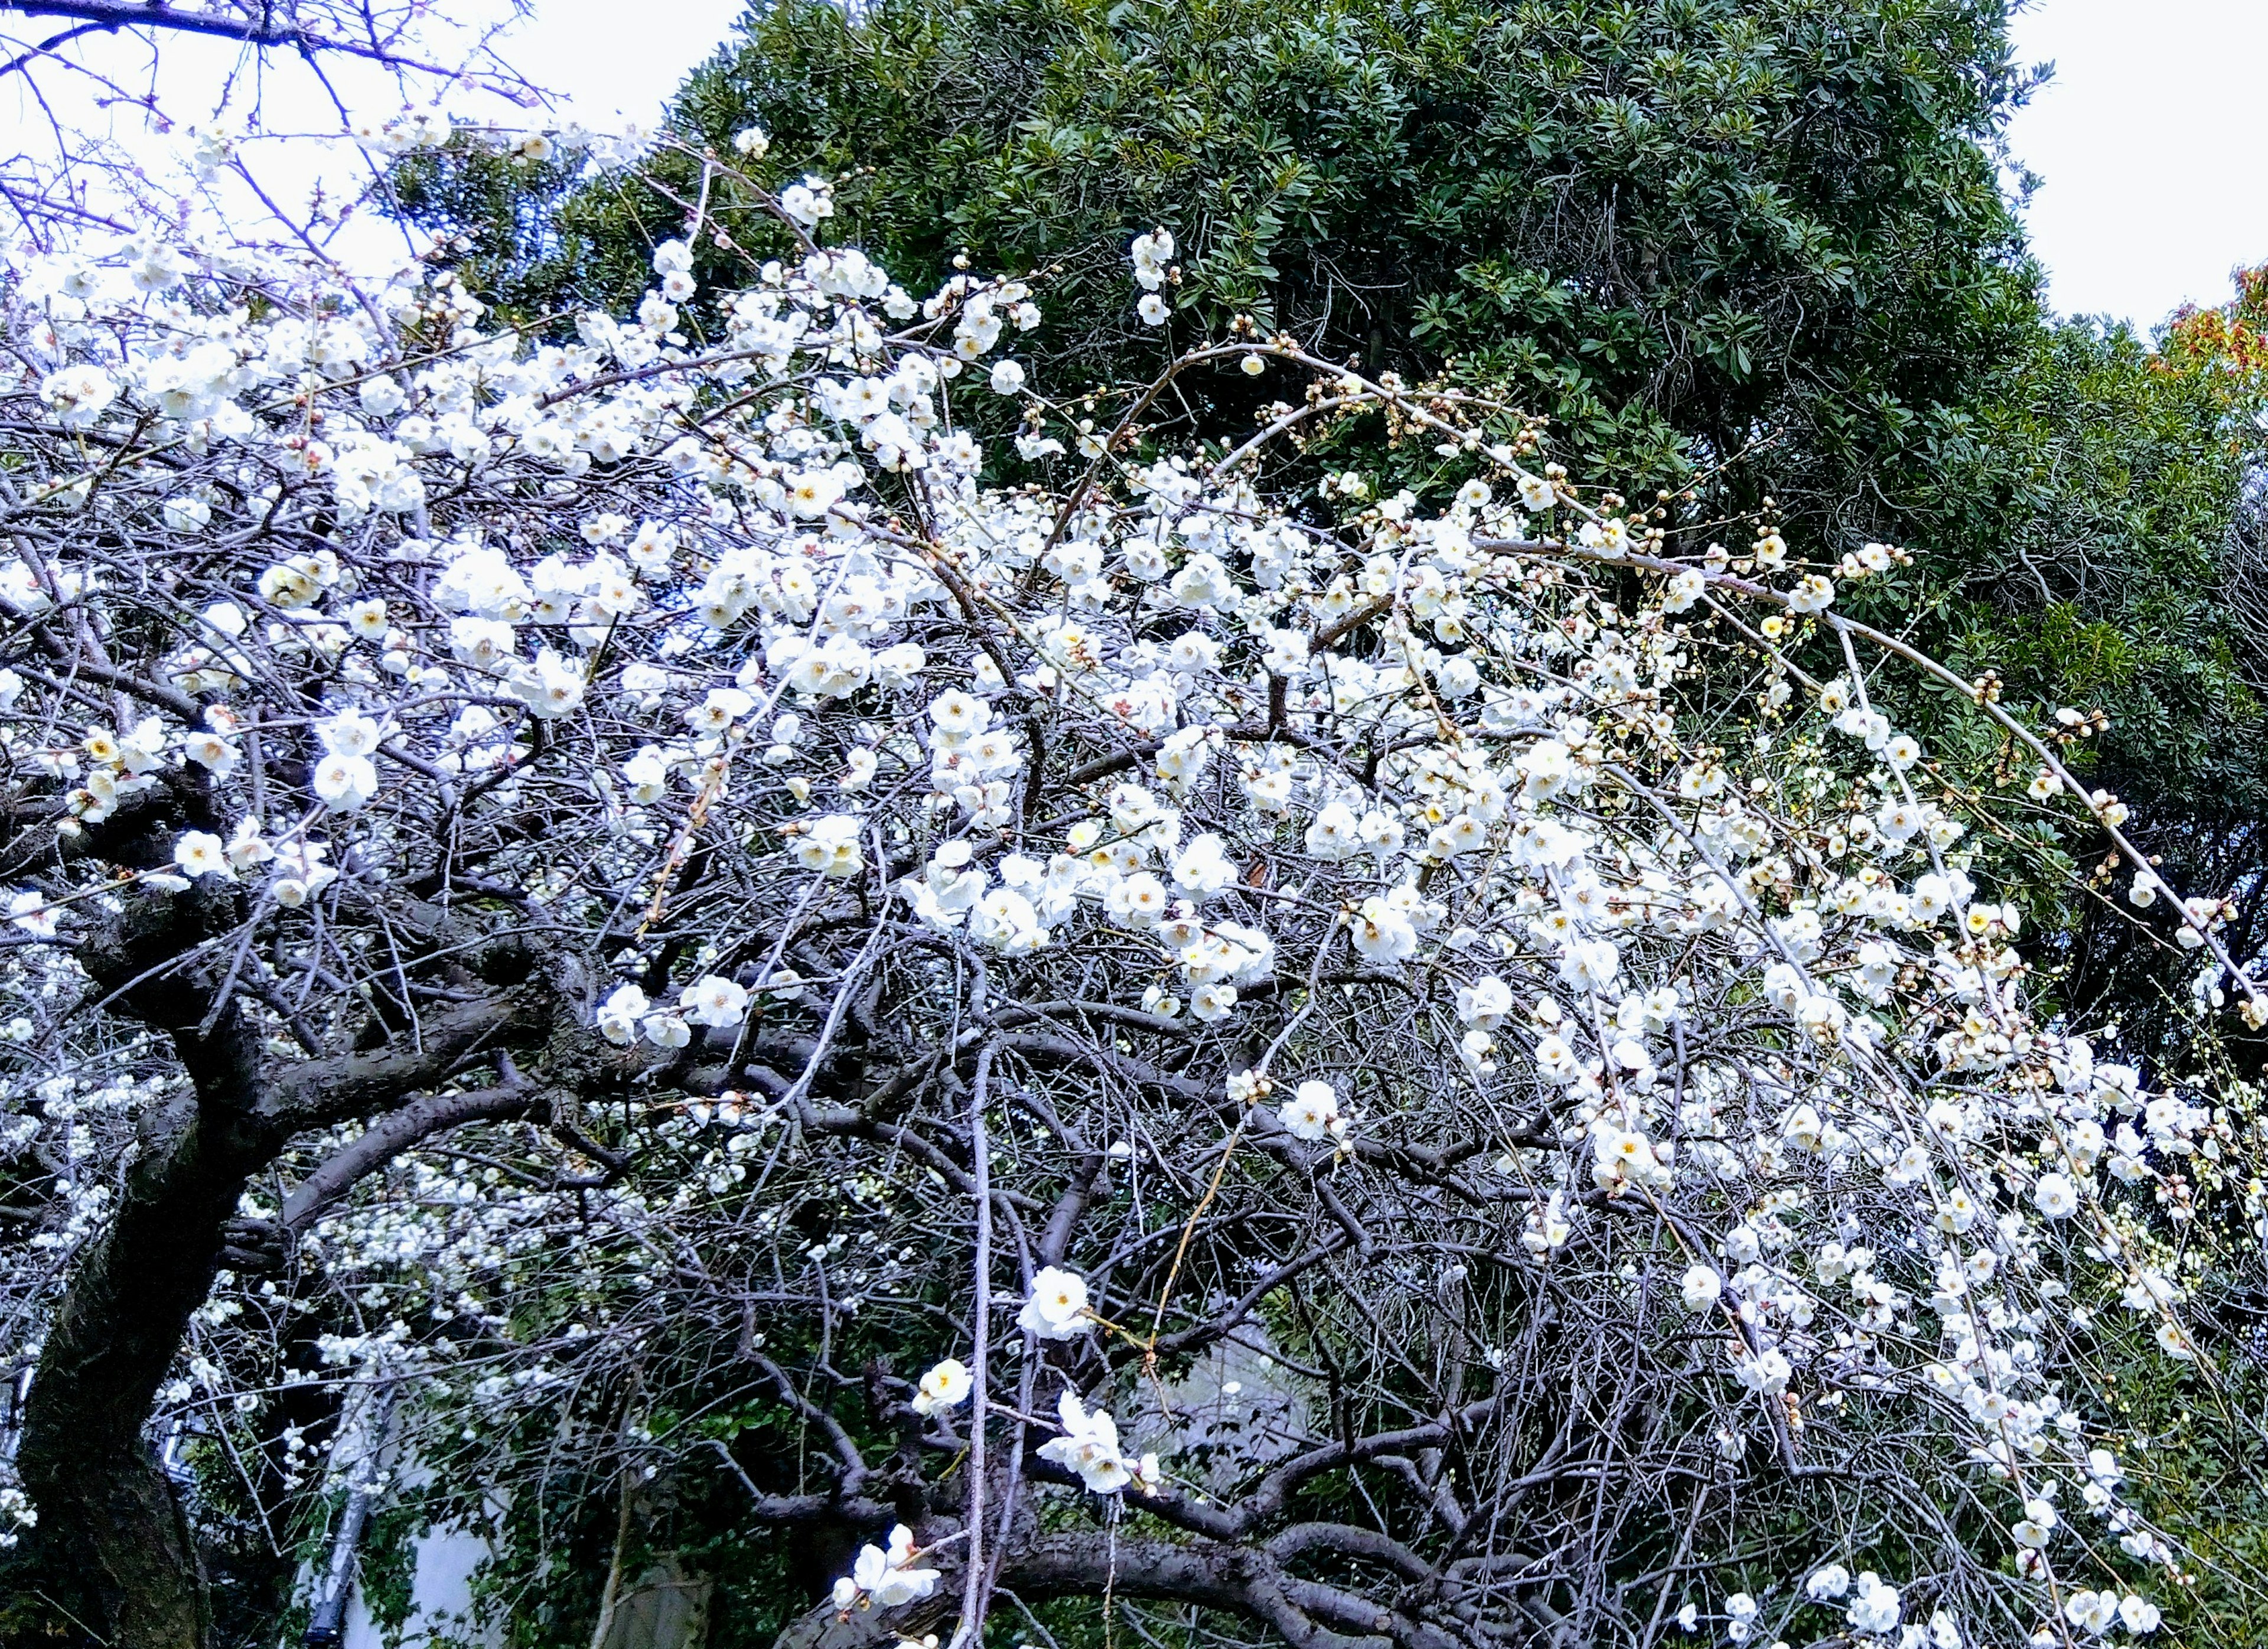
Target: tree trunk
(100, 1493)
(85, 1458)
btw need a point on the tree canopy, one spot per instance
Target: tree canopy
(931, 863)
(1676, 228)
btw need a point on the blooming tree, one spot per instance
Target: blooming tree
(603, 876)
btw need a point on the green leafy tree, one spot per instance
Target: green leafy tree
(2089, 538)
(1712, 228)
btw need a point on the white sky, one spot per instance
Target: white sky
(2150, 140)
(626, 54)
(2148, 137)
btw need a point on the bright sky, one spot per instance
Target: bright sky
(626, 54)
(600, 59)
(2150, 139)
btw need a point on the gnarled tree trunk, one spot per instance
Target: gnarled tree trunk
(86, 1458)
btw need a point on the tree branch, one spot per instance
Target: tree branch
(322, 1092)
(262, 30)
(391, 1135)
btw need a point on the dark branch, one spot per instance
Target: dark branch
(264, 29)
(391, 1135)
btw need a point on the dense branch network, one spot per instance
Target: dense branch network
(1427, 1069)
(70, 175)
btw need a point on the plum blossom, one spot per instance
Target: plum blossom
(886, 1576)
(345, 782)
(1057, 1307)
(946, 1386)
(718, 1003)
(1089, 1446)
(1313, 1113)
(201, 853)
(618, 1016)
(1874, 1604)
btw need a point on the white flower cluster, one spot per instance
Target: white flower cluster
(745, 630)
(1089, 1446)
(886, 1576)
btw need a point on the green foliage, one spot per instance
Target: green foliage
(386, 1561)
(2075, 522)
(1678, 228)
(2195, 1449)
(2074, 515)
(492, 216)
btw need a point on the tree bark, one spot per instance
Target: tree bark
(85, 1457)
(1242, 1579)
